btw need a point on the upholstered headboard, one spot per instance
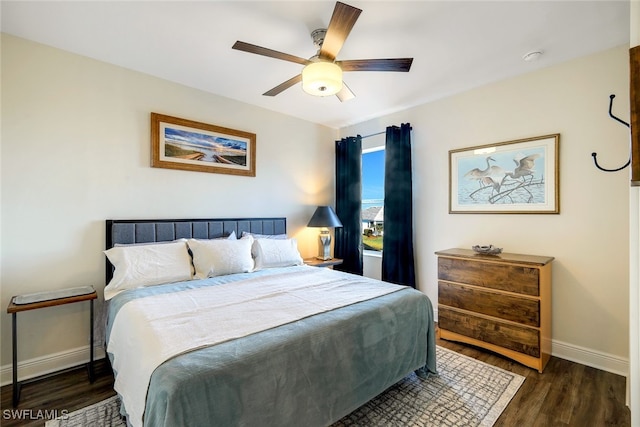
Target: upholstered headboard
(131, 231)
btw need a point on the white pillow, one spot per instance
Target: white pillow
(231, 236)
(246, 234)
(264, 236)
(218, 257)
(147, 265)
(149, 243)
(272, 253)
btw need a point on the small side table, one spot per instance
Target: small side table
(41, 300)
(316, 262)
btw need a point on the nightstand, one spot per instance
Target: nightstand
(41, 300)
(315, 262)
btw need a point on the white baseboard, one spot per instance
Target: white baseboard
(75, 357)
(589, 357)
(43, 365)
(586, 356)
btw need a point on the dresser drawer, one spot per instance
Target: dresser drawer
(504, 306)
(505, 277)
(513, 337)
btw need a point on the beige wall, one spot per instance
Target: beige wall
(589, 238)
(75, 151)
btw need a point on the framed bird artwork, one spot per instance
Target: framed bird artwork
(518, 176)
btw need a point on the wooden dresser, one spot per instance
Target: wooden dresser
(498, 302)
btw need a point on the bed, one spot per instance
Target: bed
(275, 344)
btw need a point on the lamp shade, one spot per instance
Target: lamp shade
(322, 78)
(324, 216)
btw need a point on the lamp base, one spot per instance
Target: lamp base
(325, 245)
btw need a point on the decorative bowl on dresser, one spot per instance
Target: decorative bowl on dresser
(498, 302)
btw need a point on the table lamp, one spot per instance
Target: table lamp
(324, 217)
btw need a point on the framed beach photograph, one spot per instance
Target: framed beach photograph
(188, 145)
(508, 177)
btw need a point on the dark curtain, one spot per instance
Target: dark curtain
(397, 241)
(348, 238)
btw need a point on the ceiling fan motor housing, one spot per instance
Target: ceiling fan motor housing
(318, 37)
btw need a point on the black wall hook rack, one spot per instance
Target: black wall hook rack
(594, 155)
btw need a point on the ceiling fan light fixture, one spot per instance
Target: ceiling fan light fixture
(322, 78)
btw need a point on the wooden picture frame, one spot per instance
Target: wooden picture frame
(518, 176)
(194, 146)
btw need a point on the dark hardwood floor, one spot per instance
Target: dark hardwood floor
(566, 394)
(66, 391)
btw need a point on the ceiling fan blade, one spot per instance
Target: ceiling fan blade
(342, 21)
(284, 86)
(345, 93)
(395, 64)
(259, 50)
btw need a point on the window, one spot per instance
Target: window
(372, 198)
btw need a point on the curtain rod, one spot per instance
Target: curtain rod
(373, 134)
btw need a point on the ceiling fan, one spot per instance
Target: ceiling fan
(322, 74)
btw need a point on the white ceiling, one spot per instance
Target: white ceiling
(456, 45)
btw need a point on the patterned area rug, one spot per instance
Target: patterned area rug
(466, 392)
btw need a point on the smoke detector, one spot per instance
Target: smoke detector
(532, 56)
